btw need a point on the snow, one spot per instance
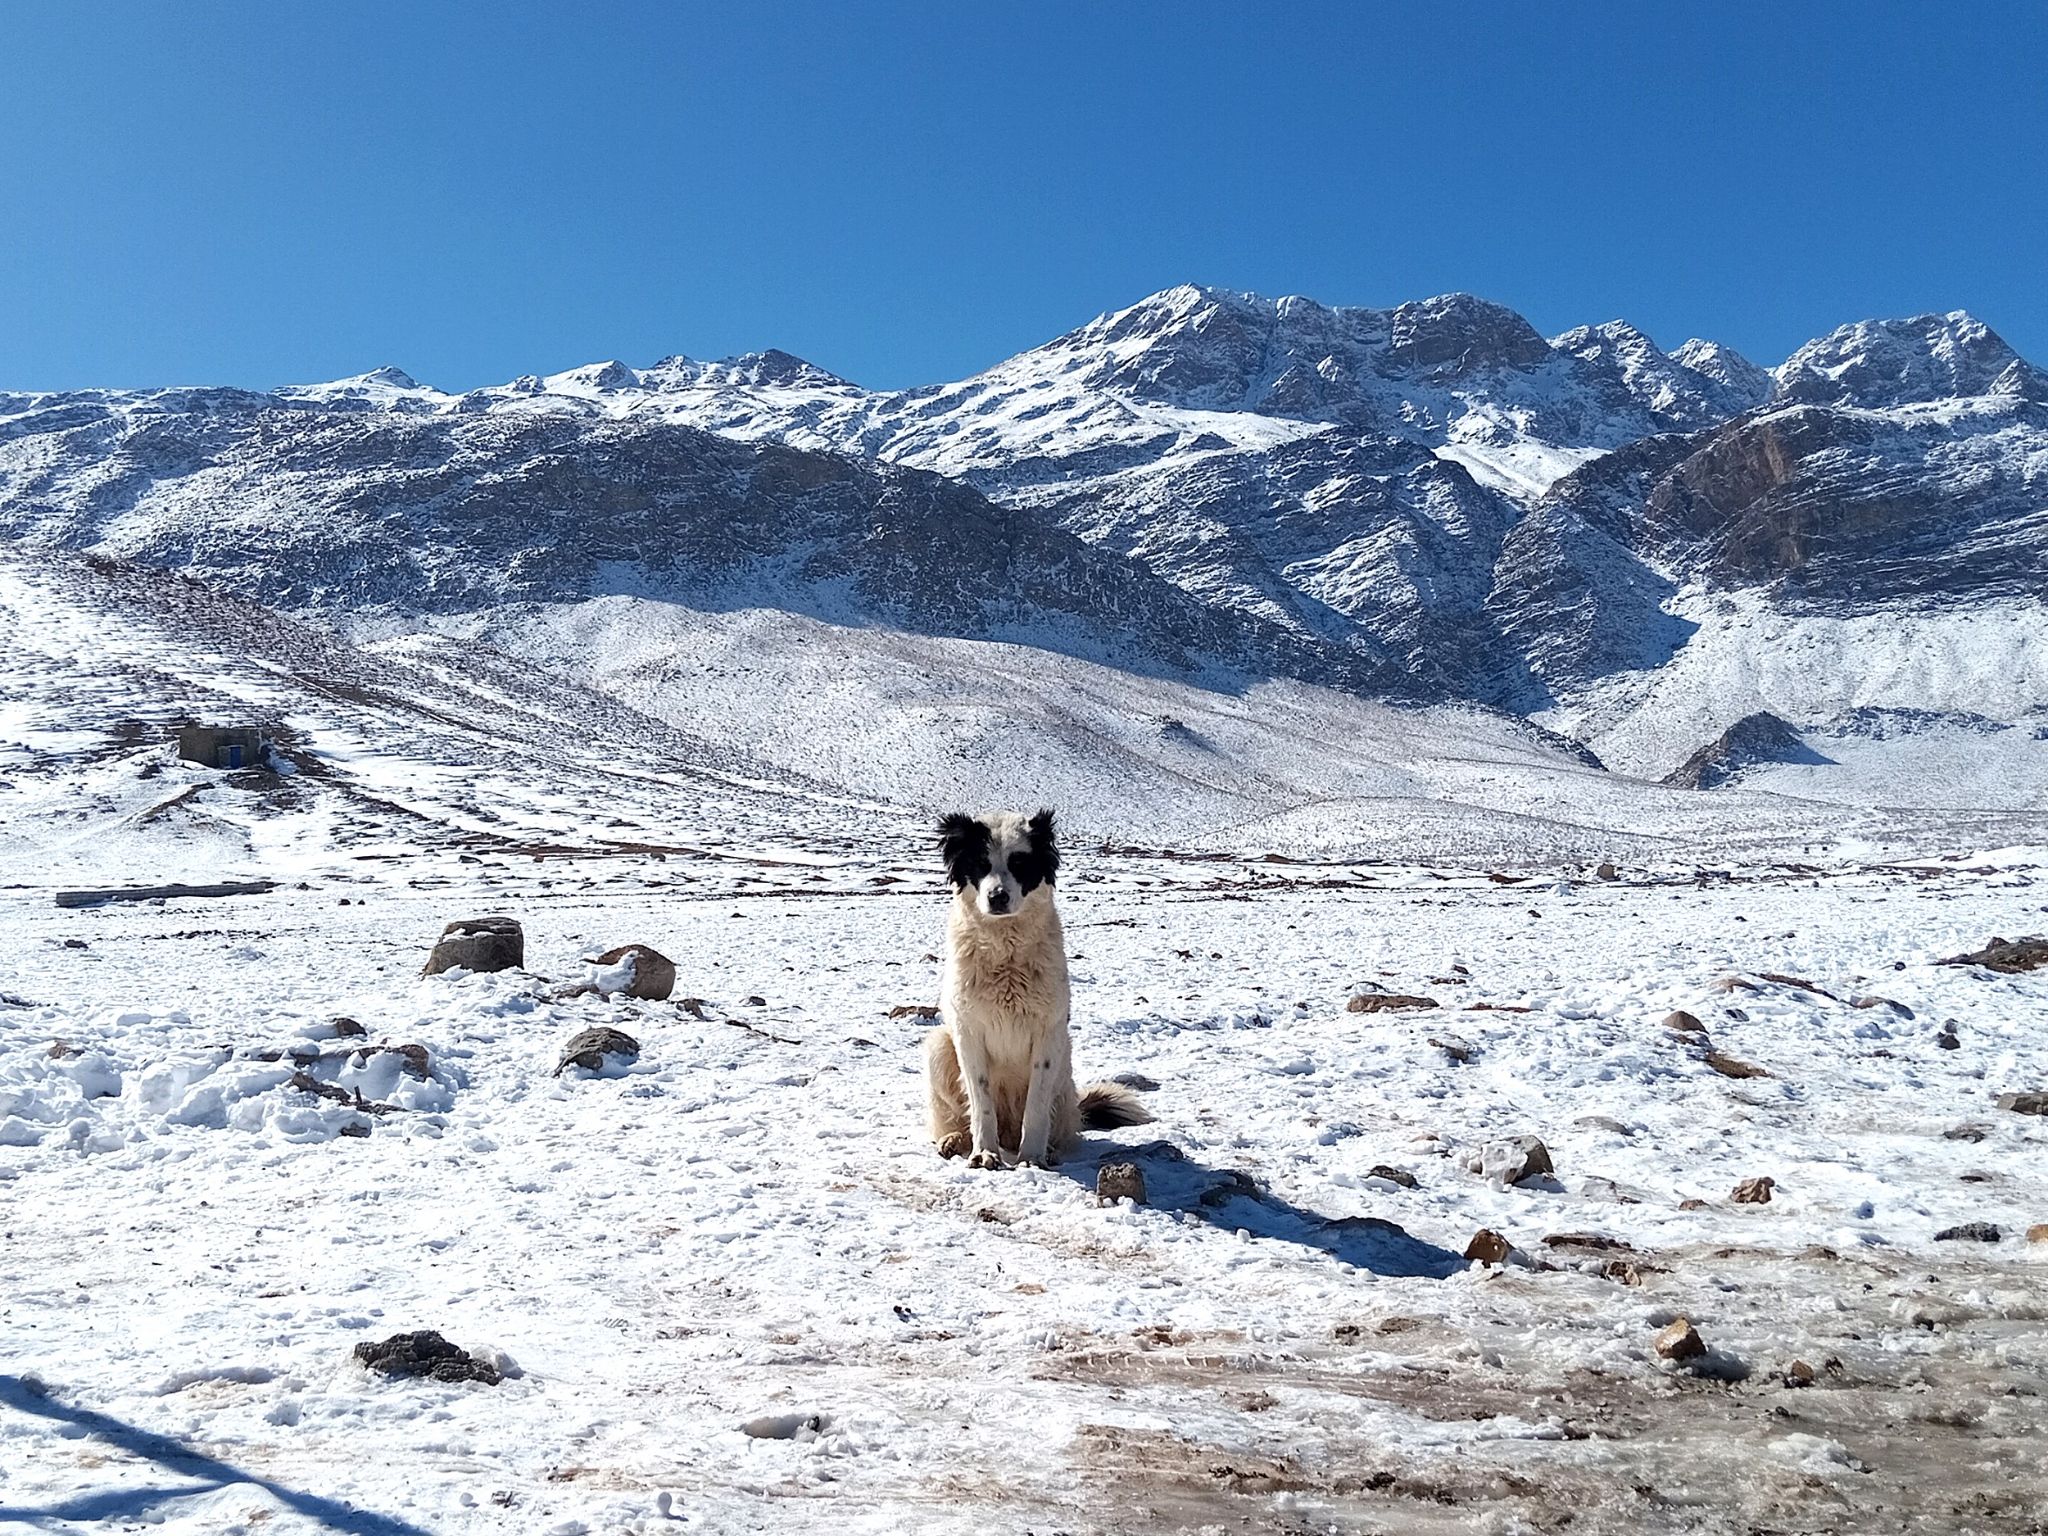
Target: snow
(733, 1289)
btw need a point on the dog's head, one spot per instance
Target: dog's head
(998, 861)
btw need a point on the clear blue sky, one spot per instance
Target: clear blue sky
(264, 193)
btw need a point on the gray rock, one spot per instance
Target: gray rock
(589, 1048)
(479, 944)
(654, 974)
(425, 1353)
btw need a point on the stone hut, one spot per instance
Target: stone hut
(240, 746)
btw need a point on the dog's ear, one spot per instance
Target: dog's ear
(1043, 846)
(963, 844)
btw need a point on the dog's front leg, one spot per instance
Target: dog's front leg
(1049, 1069)
(981, 1103)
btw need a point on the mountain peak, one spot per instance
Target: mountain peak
(1916, 360)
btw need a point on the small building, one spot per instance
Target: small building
(240, 746)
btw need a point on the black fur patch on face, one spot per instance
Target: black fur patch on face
(963, 843)
(1038, 864)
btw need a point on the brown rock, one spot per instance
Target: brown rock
(914, 1011)
(479, 944)
(1489, 1247)
(2024, 1103)
(654, 974)
(1622, 1270)
(1733, 1066)
(588, 1048)
(1386, 1002)
(1120, 1181)
(1684, 1023)
(1457, 1047)
(1679, 1340)
(2038, 1233)
(1799, 1374)
(1882, 1002)
(1400, 1176)
(1607, 872)
(1755, 1191)
(2008, 955)
(1736, 984)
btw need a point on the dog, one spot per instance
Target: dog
(999, 1071)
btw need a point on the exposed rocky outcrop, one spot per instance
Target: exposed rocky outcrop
(1750, 742)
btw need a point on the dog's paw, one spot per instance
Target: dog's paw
(955, 1145)
(985, 1160)
(1040, 1159)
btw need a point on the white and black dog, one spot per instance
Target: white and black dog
(999, 1071)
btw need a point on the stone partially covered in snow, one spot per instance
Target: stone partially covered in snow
(2008, 955)
(1120, 1181)
(1510, 1160)
(1755, 1191)
(2024, 1103)
(634, 970)
(479, 944)
(426, 1353)
(1488, 1247)
(589, 1049)
(1679, 1340)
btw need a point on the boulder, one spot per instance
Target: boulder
(2024, 1103)
(1733, 1066)
(1607, 872)
(1392, 1175)
(479, 944)
(1755, 1191)
(1684, 1023)
(588, 1049)
(1120, 1181)
(2009, 955)
(1679, 1340)
(1969, 1232)
(1457, 1047)
(1489, 1247)
(425, 1353)
(652, 974)
(2038, 1233)
(1386, 1002)
(1510, 1160)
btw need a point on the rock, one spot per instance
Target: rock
(1120, 1181)
(1752, 741)
(1595, 1240)
(1400, 1176)
(1733, 1066)
(1137, 1082)
(1684, 1023)
(1755, 1191)
(914, 1011)
(1966, 1133)
(1679, 1340)
(654, 974)
(348, 1029)
(2024, 1103)
(479, 944)
(2038, 1232)
(1693, 1204)
(1598, 1188)
(1511, 1160)
(1622, 1270)
(1457, 1047)
(2008, 955)
(1607, 872)
(63, 1050)
(756, 1001)
(1386, 1002)
(1882, 1002)
(1969, 1232)
(1948, 1041)
(1736, 984)
(425, 1353)
(1799, 1374)
(588, 1048)
(1603, 1123)
(1489, 1247)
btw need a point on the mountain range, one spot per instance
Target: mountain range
(1432, 502)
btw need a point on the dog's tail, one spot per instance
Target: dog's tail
(1105, 1106)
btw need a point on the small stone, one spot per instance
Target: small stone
(1684, 1023)
(63, 1050)
(1679, 1340)
(1736, 984)
(1457, 1047)
(756, 1001)
(1882, 1002)
(425, 1353)
(1970, 1132)
(1799, 1374)
(1969, 1232)
(1694, 1204)
(654, 974)
(1137, 1082)
(479, 944)
(1622, 1270)
(1120, 1181)
(1386, 1002)
(348, 1029)
(588, 1049)
(2038, 1232)
(914, 1011)
(1489, 1247)
(2008, 955)
(2024, 1103)
(1400, 1176)
(1607, 872)
(1603, 1123)
(1948, 1041)
(1755, 1191)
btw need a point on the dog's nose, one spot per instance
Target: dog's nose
(999, 900)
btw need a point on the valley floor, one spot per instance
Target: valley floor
(735, 1290)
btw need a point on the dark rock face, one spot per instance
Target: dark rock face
(425, 1353)
(479, 944)
(1748, 743)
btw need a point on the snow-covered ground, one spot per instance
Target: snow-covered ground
(732, 1287)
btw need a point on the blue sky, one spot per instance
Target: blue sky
(264, 193)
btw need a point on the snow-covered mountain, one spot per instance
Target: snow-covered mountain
(1430, 500)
